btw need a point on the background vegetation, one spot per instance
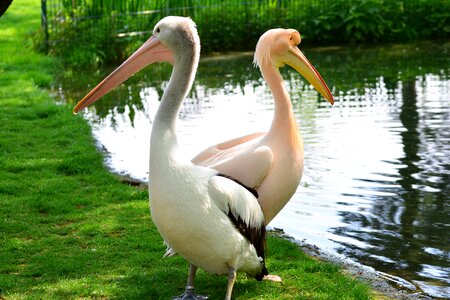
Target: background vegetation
(100, 31)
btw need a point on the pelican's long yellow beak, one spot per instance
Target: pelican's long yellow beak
(296, 59)
(150, 52)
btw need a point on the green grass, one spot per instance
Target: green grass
(71, 230)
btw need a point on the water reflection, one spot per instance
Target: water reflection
(376, 182)
(408, 225)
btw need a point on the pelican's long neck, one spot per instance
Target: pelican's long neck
(284, 120)
(176, 91)
(163, 142)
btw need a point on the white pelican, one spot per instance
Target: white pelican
(272, 162)
(211, 220)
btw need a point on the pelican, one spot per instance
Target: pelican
(272, 162)
(210, 219)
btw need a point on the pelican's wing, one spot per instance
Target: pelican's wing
(250, 167)
(244, 159)
(241, 205)
(232, 197)
(217, 153)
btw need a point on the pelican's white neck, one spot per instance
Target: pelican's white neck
(163, 142)
(176, 91)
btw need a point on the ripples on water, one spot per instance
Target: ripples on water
(376, 181)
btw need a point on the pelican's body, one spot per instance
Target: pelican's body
(201, 231)
(272, 162)
(212, 221)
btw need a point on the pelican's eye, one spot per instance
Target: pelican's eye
(158, 30)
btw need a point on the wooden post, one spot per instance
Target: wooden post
(44, 23)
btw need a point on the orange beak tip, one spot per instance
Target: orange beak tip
(75, 110)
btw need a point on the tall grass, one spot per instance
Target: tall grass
(107, 30)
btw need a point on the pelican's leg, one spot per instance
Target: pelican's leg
(231, 280)
(189, 294)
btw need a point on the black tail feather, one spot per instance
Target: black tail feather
(263, 273)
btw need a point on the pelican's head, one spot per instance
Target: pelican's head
(174, 39)
(178, 34)
(277, 47)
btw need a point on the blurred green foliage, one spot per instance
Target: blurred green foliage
(88, 32)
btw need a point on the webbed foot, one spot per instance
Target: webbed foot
(190, 294)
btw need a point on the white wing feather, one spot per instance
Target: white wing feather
(229, 195)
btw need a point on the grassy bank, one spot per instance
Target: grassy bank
(69, 229)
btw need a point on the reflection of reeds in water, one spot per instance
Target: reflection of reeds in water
(344, 69)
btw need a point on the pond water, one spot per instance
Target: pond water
(376, 182)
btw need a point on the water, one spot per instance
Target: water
(376, 183)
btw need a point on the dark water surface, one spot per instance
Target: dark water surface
(376, 183)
